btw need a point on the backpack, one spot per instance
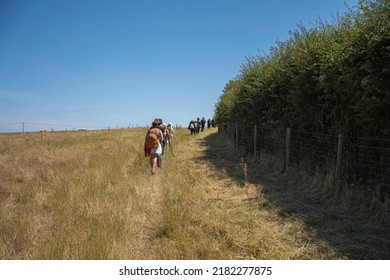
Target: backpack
(152, 139)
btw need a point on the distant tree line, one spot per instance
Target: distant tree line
(330, 78)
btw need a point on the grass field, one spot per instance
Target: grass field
(90, 195)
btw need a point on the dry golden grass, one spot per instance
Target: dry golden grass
(69, 195)
(90, 195)
(207, 214)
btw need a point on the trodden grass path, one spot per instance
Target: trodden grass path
(206, 207)
(90, 195)
(202, 208)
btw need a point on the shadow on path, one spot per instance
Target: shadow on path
(344, 229)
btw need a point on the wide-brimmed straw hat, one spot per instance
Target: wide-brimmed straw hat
(156, 122)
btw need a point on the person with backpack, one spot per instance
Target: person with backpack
(191, 127)
(153, 140)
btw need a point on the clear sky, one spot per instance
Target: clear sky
(70, 64)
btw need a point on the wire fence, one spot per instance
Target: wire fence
(362, 163)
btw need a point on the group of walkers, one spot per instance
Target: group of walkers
(159, 136)
(156, 140)
(200, 124)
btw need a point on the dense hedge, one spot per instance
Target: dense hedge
(331, 78)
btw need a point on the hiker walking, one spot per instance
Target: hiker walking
(163, 128)
(197, 126)
(191, 127)
(153, 140)
(202, 123)
(170, 131)
(169, 134)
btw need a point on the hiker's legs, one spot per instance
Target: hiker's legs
(163, 147)
(153, 162)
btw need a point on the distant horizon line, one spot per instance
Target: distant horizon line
(70, 127)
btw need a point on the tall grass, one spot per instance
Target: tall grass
(69, 195)
(207, 214)
(90, 195)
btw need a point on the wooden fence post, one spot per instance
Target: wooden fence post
(339, 155)
(288, 149)
(254, 142)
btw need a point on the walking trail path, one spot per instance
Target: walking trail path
(208, 203)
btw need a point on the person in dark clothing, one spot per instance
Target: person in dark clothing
(202, 123)
(208, 123)
(191, 127)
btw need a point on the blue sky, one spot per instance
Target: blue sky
(71, 64)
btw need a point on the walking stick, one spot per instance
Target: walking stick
(170, 146)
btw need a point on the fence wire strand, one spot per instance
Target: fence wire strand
(364, 162)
